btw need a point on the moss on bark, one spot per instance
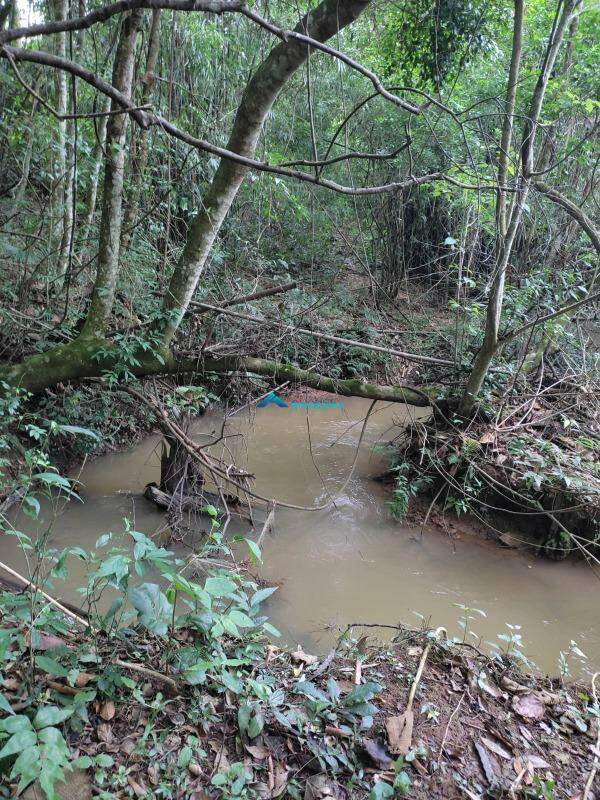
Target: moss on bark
(92, 356)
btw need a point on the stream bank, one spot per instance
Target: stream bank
(289, 724)
(542, 472)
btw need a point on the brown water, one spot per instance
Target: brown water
(352, 563)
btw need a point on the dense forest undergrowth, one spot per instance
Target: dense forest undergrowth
(202, 201)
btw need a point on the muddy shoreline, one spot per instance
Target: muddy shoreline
(476, 727)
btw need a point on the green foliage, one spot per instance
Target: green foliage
(407, 485)
(27, 438)
(509, 646)
(222, 612)
(39, 747)
(400, 787)
(353, 709)
(131, 349)
(232, 782)
(567, 657)
(423, 45)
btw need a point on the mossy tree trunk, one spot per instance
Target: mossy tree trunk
(92, 354)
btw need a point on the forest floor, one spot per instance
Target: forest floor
(338, 727)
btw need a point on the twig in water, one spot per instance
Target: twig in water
(268, 523)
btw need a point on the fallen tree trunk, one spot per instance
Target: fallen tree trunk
(347, 387)
(93, 357)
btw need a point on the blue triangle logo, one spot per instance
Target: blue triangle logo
(272, 397)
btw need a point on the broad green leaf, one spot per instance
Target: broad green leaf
(360, 710)
(154, 610)
(181, 584)
(31, 505)
(380, 791)
(54, 743)
(115, 568)
(5, 705)
(229, 625)
(78, 431)
(271, 629)
(54, 755)
(257, 723)
(333, 689)
(310, 690)
(52, 479)
(51, 666)
(185, 756)
(51, 715)
(219, 586)
(241, 619)
(232, 683)
(261, 595)
(83, 762)
(255, 550)
(27, 767)
(15, 724)
(18, 741)
(244, 715)
(195, 675)
(402, 783)
(362, 693)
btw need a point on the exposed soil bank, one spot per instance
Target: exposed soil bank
(542, 474)
(481, 728)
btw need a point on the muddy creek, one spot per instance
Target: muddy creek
(352, 563)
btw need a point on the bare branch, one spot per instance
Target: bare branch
(348, 156)
(260, 295)
(119, 7)
(145, 120)
(589, 298)
(51, 60)
(53, 111)
(286, 35)
(573, 210)
(328, 337)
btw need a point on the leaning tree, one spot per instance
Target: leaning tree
(92, 351)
